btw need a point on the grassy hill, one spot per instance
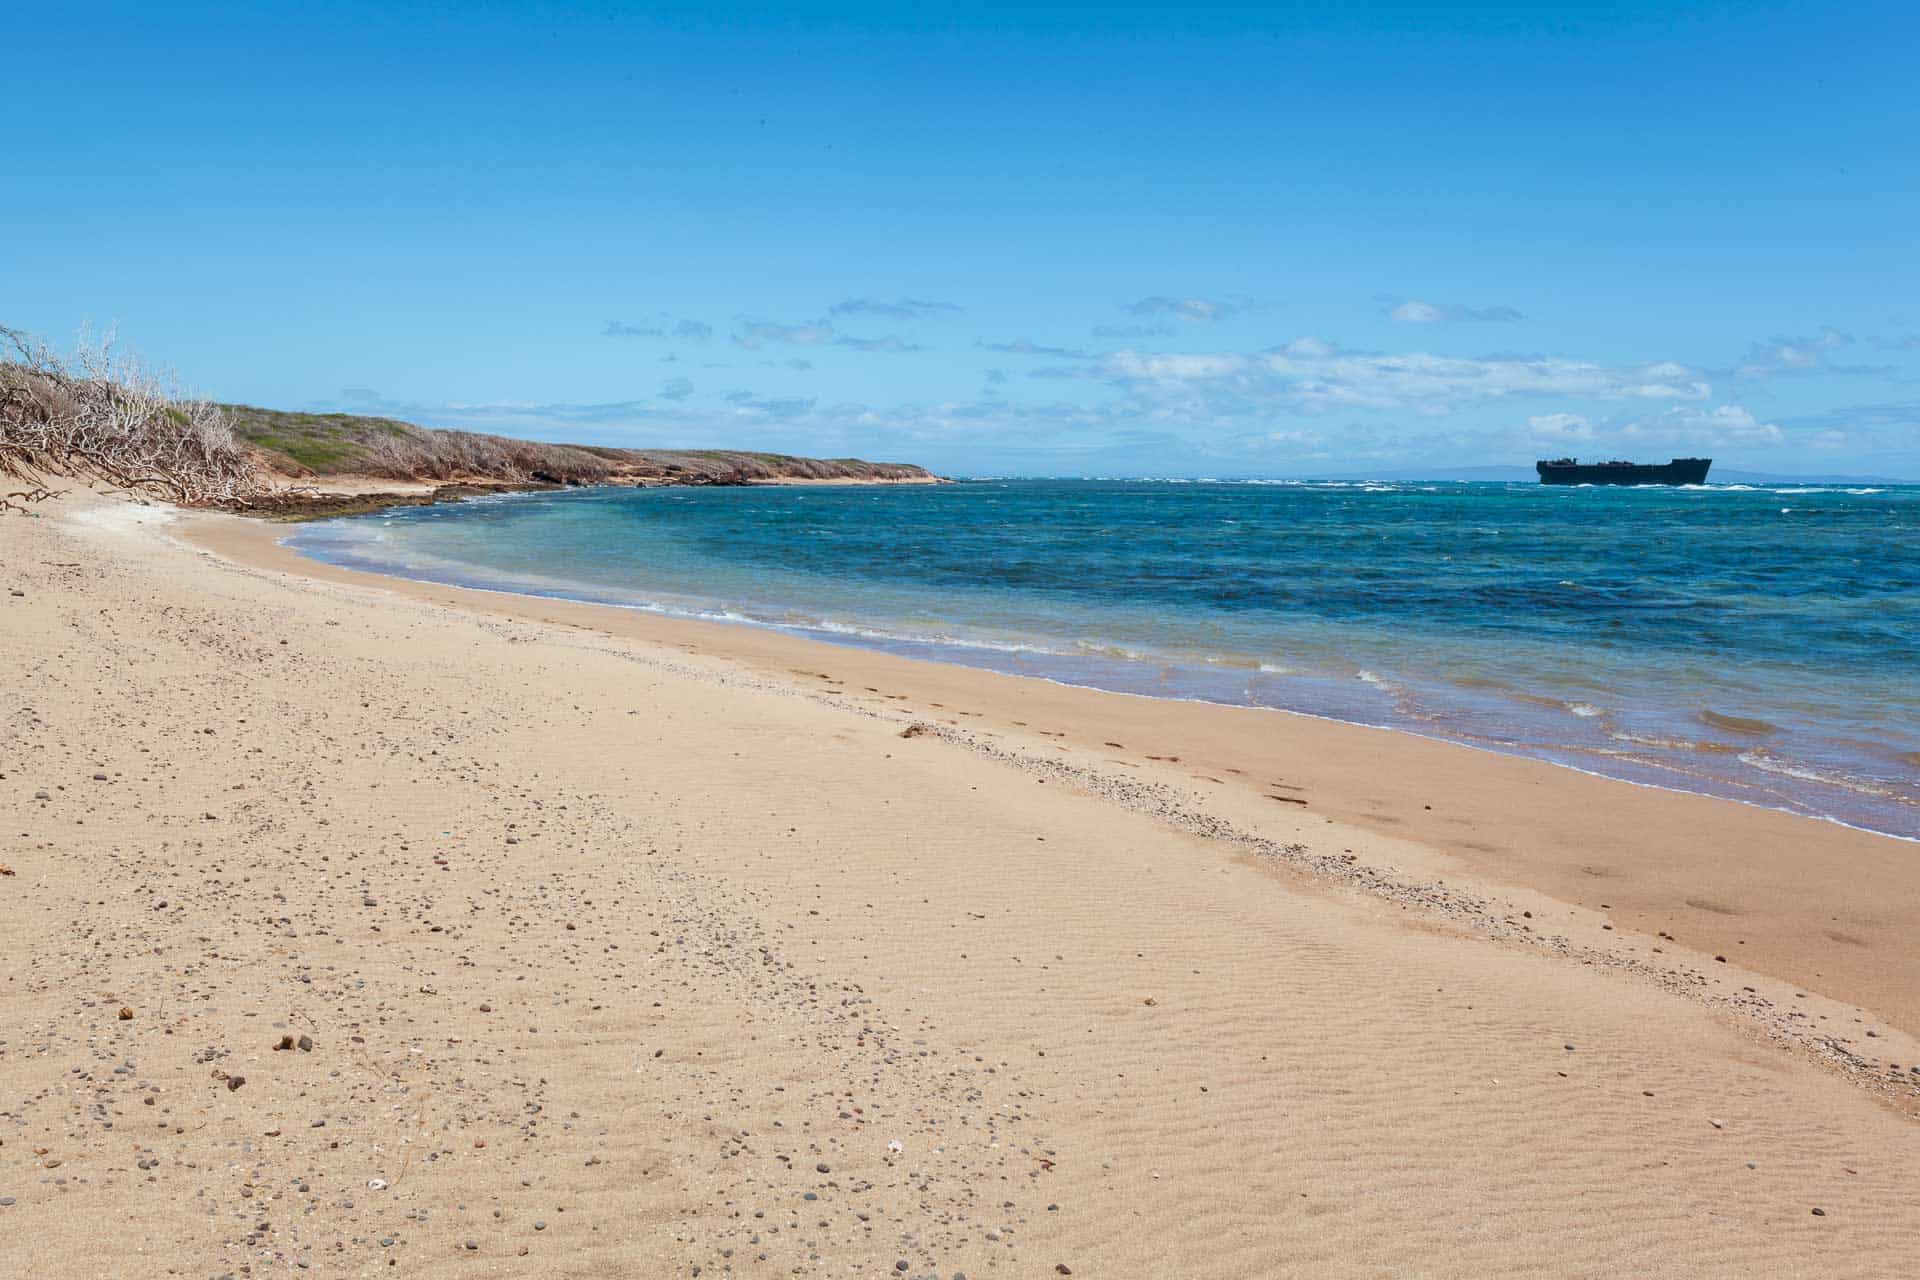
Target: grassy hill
(317, 445)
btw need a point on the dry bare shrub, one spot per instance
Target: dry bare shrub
(440, 454)
(101, 413)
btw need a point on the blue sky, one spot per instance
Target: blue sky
(1200, 240)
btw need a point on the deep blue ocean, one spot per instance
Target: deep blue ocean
(1761, 643)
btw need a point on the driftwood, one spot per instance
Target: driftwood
(101, 414)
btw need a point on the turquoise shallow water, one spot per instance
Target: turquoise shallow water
(1757, 643)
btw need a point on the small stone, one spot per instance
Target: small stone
(821, 1168)
(234, 1082)
(126, 1014)
(99, 777)
(539, 1224)
(306, 1044)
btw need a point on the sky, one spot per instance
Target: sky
(1002, 239)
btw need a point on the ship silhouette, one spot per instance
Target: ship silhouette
(1573, 471)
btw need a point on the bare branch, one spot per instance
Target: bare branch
(100, 413)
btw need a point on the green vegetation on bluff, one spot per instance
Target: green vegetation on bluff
(324, 444)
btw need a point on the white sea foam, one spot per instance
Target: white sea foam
(1767, 763)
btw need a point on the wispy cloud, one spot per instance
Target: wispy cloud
(887, 343)
(755, 334)
(1028, 347)
(903, 309)
(1724, 426)
(1416, 311)
(1245, 407)
(747, 404)
(1191, 310)
(1681, 426)
(1131, 331)
(666, 327)
(491, 415)
(1559, 428)
(1312, 375)
(1798, 355)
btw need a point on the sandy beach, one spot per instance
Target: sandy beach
(365, 927)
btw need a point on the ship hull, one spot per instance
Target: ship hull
(1679, 471)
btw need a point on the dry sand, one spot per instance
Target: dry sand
(633, 947)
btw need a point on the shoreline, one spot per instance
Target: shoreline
(956, 653)
(301, 500)
(353, 923)
(1643, 710)
(1718, 875)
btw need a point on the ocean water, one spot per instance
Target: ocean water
(1757, 643)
